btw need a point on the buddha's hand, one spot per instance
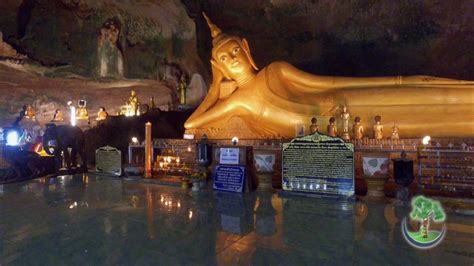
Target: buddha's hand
(211, 98)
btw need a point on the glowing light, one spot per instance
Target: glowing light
(134, 140)
(426, 140)
(190, 214)
(235, 140)
(179, 204)
(189, 148)
(73, 115)
(13, 139)
(177, 160)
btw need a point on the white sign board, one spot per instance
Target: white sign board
(108, 160)
(229, 156)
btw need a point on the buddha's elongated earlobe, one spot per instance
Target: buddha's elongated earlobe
(245, 46)
(217, 66)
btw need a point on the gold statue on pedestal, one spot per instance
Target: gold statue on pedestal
(58, 116)
(30, 113)
(314, 126)
(81, 111)
(358, 129)
(332, 128)
(345, 123)
(271, 102)
(134, 103)
(394, 133)
(378, 128)
(102, 114)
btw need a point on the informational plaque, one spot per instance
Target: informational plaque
(318, 164)
(108, 160)
(229, 156)
(229, 178)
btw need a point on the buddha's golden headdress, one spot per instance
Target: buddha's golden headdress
(219, 38)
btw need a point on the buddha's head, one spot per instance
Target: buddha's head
(314, 120)
(230, 54)
(377, 119)
(357, 119)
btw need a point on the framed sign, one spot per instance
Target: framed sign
(229, 156)
(229, 178)
(108, 160)
(318, 164)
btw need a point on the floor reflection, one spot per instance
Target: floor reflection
(87, 219)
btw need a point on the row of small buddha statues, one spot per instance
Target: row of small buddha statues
(357, 128)
(81, 113)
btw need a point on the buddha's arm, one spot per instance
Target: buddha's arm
(308, 83)
(210, 100)
(303, 82)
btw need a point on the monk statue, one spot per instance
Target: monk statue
(378, 128)
(247, 102)
(358, 129)
(314, 126)
(30, 113)
(133, 103)
(102, 114)
(58, 116)
(332, 128)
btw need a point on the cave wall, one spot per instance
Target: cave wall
(65, 33)
(349, 38)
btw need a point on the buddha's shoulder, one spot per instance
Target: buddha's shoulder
(280, 67)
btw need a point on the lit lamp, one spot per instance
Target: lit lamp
(13, 137)
(135, 140)
(235, 140)
(425, 141)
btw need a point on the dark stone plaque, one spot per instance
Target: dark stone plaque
(108, 160)
(229, 178)
(318, 164)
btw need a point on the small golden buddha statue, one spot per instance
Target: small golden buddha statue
(133, 102)
(378, 128)
(58, 116)
(345, 123)
(102, 114)
(332, 128)
(314, 126)
(394, 133)
(81, 111)
(30, 113)
(358, 129)
(293, 96)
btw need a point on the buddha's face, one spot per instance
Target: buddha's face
(233, 59)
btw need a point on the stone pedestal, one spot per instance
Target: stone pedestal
(375, 186)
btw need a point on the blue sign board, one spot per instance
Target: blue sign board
(229, 178)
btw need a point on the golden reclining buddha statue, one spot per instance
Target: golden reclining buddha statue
(246, 102)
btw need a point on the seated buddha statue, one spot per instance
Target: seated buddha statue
(270, 102)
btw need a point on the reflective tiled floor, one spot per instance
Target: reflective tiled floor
(89, 220)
